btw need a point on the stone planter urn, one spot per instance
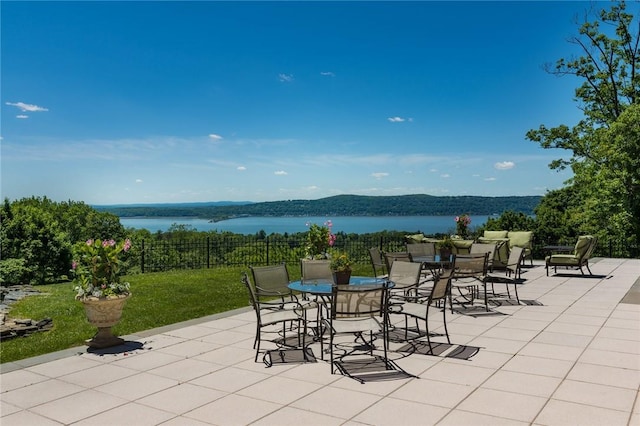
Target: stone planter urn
(104, 314)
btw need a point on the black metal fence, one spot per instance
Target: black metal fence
(243, 250)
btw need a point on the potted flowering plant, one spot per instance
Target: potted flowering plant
(319, 239)
(462, 224)
(97, 269)
(445, 246)
(341, 267)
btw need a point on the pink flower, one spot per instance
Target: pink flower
(90, 242)
(127, 245)
(74, 264)
(457, 219)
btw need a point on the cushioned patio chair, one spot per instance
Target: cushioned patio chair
(580, 257)
(522, 239)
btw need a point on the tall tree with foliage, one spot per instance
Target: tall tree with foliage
(604, 146)
(36, 236)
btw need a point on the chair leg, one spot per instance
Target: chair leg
(426, 326)
(257, 347)
(444, 320)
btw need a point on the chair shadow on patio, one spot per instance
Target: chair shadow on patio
(445, 350)
(288, 356)
(371, 369)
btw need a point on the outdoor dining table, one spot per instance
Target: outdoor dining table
(323, 290)
(435, 264)
(325, 287)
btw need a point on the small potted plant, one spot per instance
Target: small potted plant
(341, 267)
(445, 245)
(97, 269)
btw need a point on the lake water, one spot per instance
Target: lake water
(281, 225)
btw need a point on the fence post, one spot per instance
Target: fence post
(268, 251)
(142, 258)
(208, 254)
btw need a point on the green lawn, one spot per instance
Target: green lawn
(158, 299)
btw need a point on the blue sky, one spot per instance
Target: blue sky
(144, 102)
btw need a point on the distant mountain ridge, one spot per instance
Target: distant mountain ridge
(339, 205)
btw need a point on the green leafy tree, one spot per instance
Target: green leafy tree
(37, 234)
(604, 145)
(510, 221)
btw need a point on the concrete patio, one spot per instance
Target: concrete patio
(569, 357)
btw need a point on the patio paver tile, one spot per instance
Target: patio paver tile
(182, 398)
(138, 386)
(78, 406)
(27, 418)
(128, 414)
(40, 393)
(596, 395)
(503, 404)
(280, 390)
(337, 402)
(233, 410)
(461, 417)
(528, 384)
(390, 411)
(230, 379)
(563, 413)
(610, 358)
(289, 416)
(441, 394)
(605, 375)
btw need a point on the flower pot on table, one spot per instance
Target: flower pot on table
(341, 277)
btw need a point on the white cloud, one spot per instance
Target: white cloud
(445, 175)
(490, 179)
(399, 119)
(286, 78)
(280, 173)
(380, 175)
(27, 107)
(242, 168)
(215, 137)
(22, 116)
(138, 180)
(328, 73)
(504, 165)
